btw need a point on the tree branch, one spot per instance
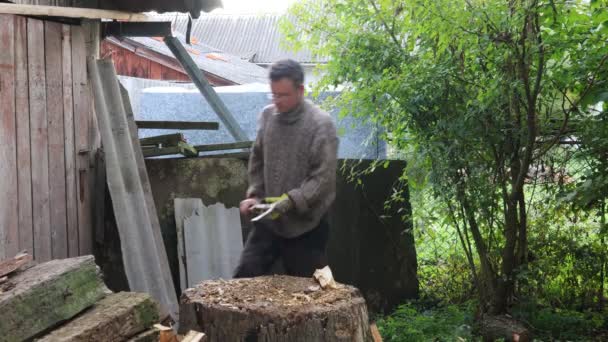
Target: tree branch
(388, 29)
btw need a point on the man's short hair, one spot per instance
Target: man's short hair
(287, 68)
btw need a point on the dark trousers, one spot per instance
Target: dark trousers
(301, 255)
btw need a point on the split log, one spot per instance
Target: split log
(194, 336)
(11, 265)
(274, 308)
(117, 317)
(166, 334)
(375, 333)
(152, 335)
(44, 295)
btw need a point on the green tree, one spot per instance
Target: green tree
(475, 93)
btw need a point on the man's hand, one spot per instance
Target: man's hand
(246, 206)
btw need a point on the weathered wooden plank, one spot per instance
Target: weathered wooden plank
(54, 107)
(156, 72)
(236, 155)
(82, 117)
(183, 125)
(69, 148)
(222, 147)
(70, 12)
(47, 294)
(39, 140)
(181, 148)
(11, 265)
(119, 316)
(9, 217)
(136, 29)
(164, 140)
(100, 195)
(24, 162)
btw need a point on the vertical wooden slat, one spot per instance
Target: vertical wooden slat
(137, 66)
(22, 105)
(155, 71)
(54, 105)
(70, 152)
(39, 140)
(9, 219)
(82, 115)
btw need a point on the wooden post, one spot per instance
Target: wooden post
(182, 125)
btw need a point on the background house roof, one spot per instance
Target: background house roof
(256, 38)
(208, 59)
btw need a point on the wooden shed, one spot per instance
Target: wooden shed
(49, 139)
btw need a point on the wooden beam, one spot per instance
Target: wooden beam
(136, 29)
(184, 125)
(165, 140)
(237, 155)
(205, 88)
(221, 147)
(181, 148)
(70, 12)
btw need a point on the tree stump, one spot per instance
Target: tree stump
(274, 308)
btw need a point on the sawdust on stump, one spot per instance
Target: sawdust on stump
(274, 308)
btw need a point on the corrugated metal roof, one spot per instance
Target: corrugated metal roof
(256, 38)
(211, 60)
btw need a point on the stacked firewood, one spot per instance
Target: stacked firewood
(66, 300)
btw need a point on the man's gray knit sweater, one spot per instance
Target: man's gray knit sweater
(295, 153)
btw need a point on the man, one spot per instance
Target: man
(292, 164)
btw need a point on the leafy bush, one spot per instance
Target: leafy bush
(409, 323)
(549, 324)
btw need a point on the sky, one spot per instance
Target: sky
(254, 6)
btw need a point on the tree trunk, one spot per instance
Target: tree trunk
(274, 308)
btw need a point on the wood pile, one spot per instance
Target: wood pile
(66, 300)
(275, 308)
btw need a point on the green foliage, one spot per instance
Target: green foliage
(563, 325)
(408, 323)
(474, 93)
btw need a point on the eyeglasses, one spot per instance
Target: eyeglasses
(280, 96)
